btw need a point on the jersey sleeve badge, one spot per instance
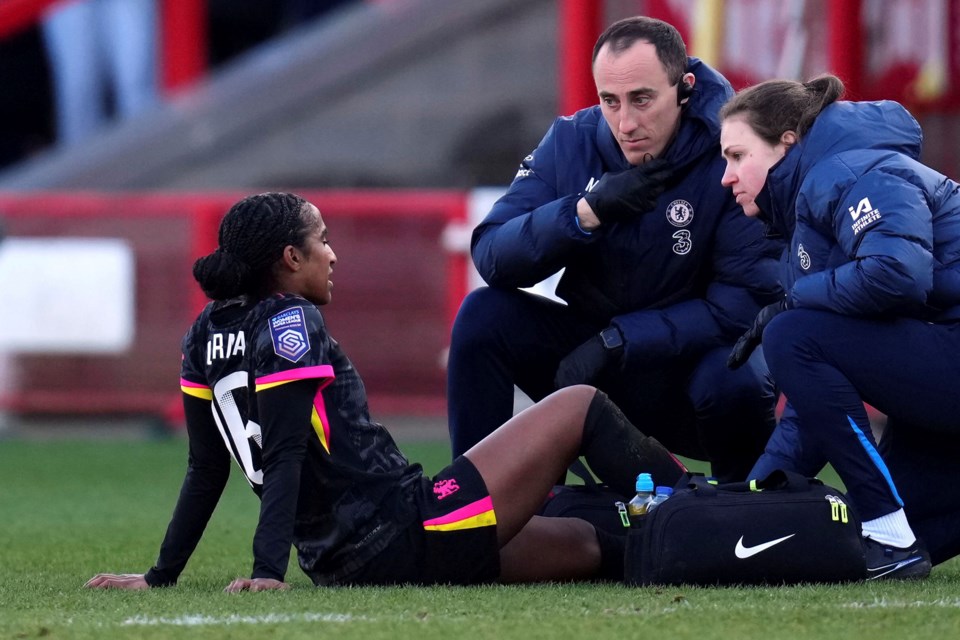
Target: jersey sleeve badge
(288, 332)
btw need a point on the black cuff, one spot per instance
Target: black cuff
(157, 578)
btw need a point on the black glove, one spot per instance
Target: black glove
(751, 339)
(624, 195)
(584, 364)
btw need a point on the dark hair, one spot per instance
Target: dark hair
(671, 51)
(252, 237)
(776, 106)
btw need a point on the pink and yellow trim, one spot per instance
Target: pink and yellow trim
(318, 416)
(201, 391)
(474, 515)
(319, 420)
(292, 375)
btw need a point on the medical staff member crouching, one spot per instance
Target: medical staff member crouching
(872, 310)
(661, 271)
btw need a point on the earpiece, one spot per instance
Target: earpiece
(684, 91)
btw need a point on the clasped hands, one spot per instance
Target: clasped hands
(584, 364)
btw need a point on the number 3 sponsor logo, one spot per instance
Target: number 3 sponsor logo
(684, 243)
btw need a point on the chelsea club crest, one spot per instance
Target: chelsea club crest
(680, 213)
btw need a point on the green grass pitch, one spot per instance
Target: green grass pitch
(69, 509)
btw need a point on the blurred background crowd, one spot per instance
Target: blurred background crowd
(137, 122)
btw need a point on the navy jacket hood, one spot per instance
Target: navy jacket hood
(843, 126)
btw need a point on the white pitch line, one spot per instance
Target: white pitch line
(197, 620)
(883, 603)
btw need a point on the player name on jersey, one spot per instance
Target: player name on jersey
(225, 345)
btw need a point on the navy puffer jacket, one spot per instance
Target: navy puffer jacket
(688, 276)
(872, 231)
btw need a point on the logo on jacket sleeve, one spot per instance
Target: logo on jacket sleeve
(863, 215)
(680, 213)
(288, 331)
(525, 170)
(804, 257)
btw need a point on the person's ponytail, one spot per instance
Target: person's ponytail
(221, 275)
(822, 91)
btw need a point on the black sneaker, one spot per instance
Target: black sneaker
(895, 563)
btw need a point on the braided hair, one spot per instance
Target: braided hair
(252, 237)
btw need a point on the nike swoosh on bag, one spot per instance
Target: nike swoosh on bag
(743, 552)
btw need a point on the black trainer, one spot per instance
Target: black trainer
(895, 563)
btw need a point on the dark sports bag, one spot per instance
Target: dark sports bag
(781, 530)
(599, 505)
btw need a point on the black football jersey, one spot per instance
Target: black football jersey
(291, 410)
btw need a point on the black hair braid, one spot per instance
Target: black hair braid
(252, 236)
(221, 275)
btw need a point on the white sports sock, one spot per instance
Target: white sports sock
(891, 529)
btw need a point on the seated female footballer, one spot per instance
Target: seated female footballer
(265, 384)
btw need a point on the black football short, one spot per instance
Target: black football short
(453, 542)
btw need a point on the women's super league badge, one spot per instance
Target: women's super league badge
(288, 331)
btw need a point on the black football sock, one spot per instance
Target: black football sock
(616, 451)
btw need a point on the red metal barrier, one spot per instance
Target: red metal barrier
(16, 15)
(396, 297)
(580, 26)
(183, 45)
(846, 44)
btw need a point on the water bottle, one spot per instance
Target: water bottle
(638, 505)
(663, 493)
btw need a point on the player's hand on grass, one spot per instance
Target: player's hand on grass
(132, 581)
(256, 584)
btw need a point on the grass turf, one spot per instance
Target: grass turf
(71, 509)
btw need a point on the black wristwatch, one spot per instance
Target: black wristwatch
(612, 339)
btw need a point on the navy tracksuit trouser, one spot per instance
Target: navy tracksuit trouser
(699, 409)
(828, 365)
